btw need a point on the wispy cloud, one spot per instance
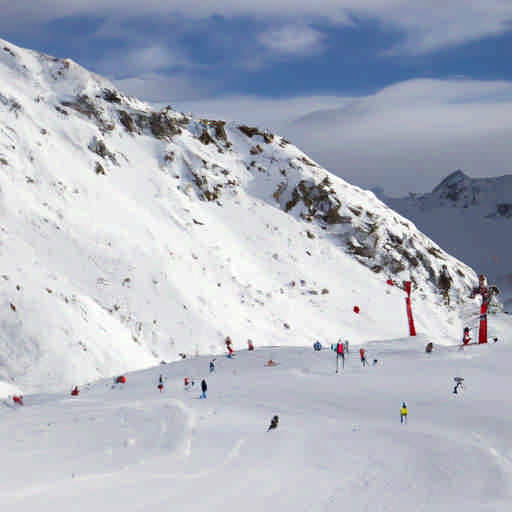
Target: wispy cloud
(136, 61)
(404, 138)
(177, 88)
(426, 24)
(292, 40)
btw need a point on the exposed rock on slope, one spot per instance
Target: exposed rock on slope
(131, 235)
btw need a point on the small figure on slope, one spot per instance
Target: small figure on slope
(273, 423)
(458, 384)
(403, 413)
(340, 354)
(466, 337)
(161, 383)
(250, 345)
(317, 346)
(188, 382)
(212, 365)
(204, 388)
(228, 343)
(75, 391)
(18, 399)
(362, 355)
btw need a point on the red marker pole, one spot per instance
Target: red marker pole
(412, 330)
(482, 331)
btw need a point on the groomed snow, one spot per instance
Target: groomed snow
(339, 444)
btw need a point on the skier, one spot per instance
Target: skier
(458, 384)
(74, 391)
(228, 343)
(187, 383)
(317, 346)
(273, 423)
(466, 338)
(363, 357)
(250, 345)
(403, 413)
(204, 388)
(340, 354)
(161, 383)
(212, 365)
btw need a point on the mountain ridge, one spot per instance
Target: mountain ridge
(132, 236)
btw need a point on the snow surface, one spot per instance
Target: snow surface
(191, 230)
(339, 444)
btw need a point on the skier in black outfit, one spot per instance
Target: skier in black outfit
(204, 388)
(273, 423)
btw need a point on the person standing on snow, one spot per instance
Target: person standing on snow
(161, 383)
(228, 343)
(403, 413)
(212, 365)
(362, 355)
(466, 338)
(204, 388)
(340, 354)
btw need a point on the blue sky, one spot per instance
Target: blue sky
(333, 75)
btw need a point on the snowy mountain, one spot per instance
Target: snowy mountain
(131, 236)
(472, 219)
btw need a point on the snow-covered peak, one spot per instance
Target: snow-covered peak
(470, 217)
(131, 235)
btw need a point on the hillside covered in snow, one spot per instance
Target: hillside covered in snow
(472, 219)
(131, 236)
(339, 443)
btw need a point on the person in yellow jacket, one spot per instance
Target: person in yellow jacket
(403, 413)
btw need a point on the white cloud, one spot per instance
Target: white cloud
(406, 137)
(427, 24)
(160, 89)
(296, 40)
(137, 61)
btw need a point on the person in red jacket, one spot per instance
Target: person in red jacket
(362, 355)
(466, 338)
(74, 391)
(340, 354)
(18, 399)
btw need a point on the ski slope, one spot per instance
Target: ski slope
(339, 444)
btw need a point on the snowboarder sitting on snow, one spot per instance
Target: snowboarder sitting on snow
(403, 413)
(317, 346)
(466, 338)
(204, 388)
(273, 423)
